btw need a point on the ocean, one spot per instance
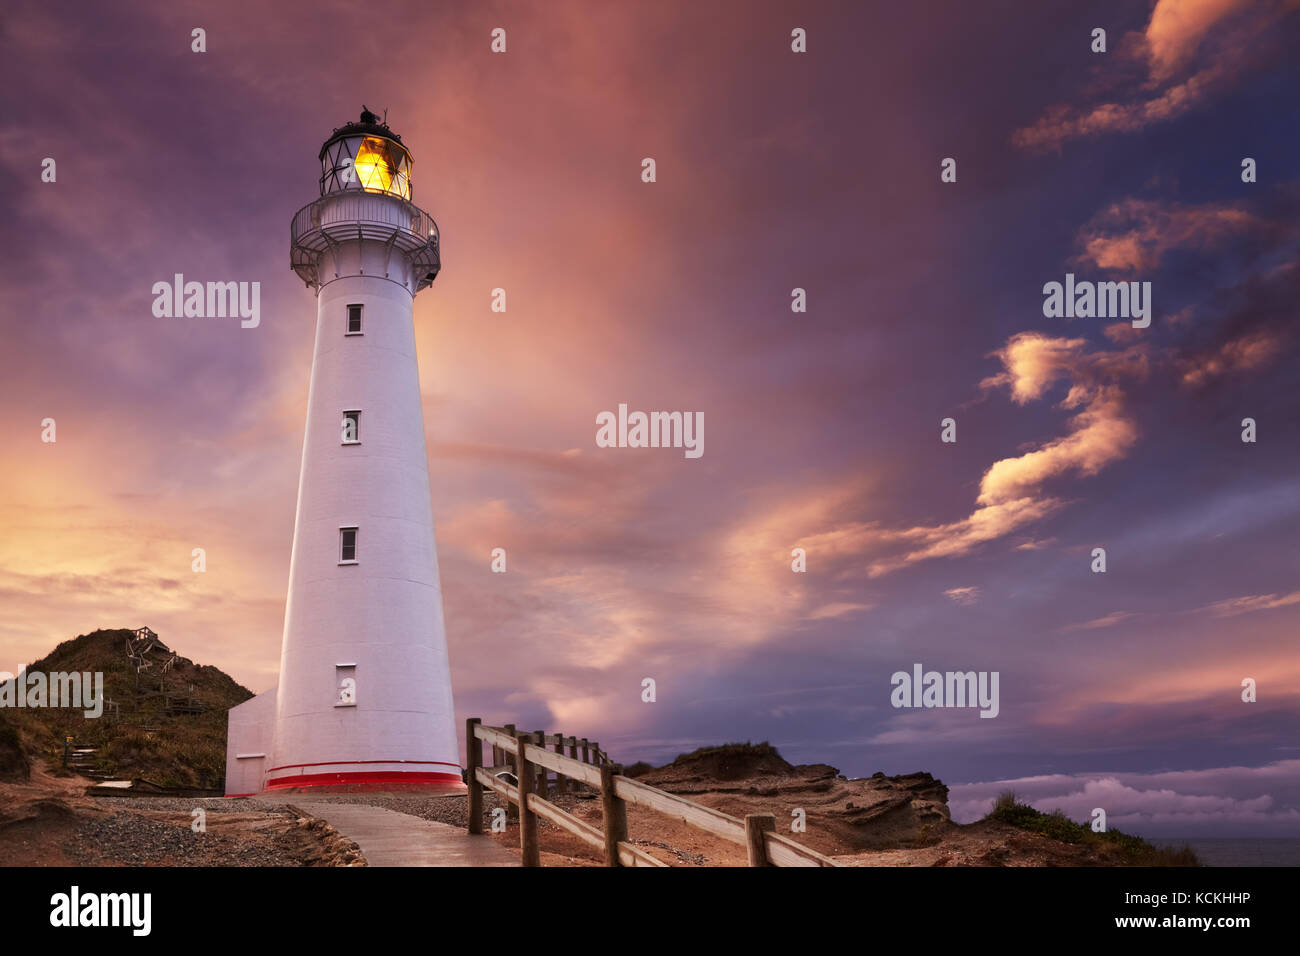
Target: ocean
(1243, 851)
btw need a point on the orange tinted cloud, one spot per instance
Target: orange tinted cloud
(1172, 683)
(1136, 234)
(1033, 361)
(966, 595)
(1253, 602)
(1241, 354)
(755, 558)
(1178, 800)
(1177, 28)
(1011, 490)
(1174, 41)
(1099, 434)
(984, 524)
(1229, 607)
(1109, 620)
(1062, 123)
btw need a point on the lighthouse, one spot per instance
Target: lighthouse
(364, 699)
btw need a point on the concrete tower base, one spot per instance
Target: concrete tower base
(431, 784)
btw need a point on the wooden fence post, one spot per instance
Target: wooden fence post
(595, 754)
(511, 764)
(473, 759)
(529, 851)
(561, 784)
(756, 824)
(586, 753)
(541, 771)
(614, 811)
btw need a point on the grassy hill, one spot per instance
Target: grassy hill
(725, 762)
(168, 725)
(1114, 845)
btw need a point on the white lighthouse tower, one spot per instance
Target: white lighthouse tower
(364, 700)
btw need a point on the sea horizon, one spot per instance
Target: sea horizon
(1237, 851)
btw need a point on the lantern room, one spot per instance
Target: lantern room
(366, 156)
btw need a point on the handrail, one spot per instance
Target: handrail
(629, 855)
(531, 761)
(335, 218)
(365, 207)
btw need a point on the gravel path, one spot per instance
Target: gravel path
(186, 804)
(453, 809)
(156, 831)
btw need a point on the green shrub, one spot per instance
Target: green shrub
(1113, 845)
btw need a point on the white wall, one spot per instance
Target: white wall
(248, 731)
(383, 614)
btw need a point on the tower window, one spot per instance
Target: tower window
(346, 679)
(351, 428)
(354, 320)
(347, 545)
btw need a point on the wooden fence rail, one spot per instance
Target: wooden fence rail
(527, 757)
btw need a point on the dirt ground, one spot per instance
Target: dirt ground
(671, 841)
(875, 821)
(49, 821)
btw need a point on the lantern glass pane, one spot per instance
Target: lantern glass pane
(380, 166)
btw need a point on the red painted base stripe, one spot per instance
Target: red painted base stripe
(335, 763)
(373, 780)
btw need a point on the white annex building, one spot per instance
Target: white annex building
(364, 700)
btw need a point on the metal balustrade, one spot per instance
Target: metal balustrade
(343, 217)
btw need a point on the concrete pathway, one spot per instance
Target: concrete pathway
(389, 838)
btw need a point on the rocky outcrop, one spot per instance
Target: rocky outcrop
(843, 815)
(907, 810)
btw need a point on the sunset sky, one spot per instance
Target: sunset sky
(775, 170)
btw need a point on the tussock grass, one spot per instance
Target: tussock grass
(747, 749)
(1114, 845)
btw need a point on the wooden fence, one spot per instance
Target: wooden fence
(527, 757)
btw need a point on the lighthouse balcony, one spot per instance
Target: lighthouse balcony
(335, 219)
